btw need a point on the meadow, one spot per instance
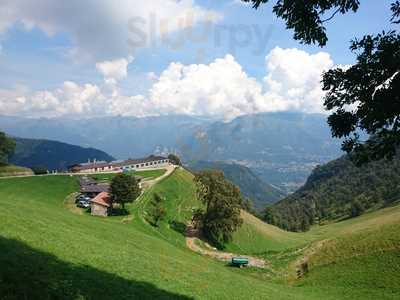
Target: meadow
(48, 251)
(145, 174)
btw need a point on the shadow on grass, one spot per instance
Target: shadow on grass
(117, 211)
(26, 273)
(178, 227)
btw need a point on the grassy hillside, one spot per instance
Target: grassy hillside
(249, 183)
(52, 155)
(338, 190)
(144, 174)
(50, 252)
(11, 170)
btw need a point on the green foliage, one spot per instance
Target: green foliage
(223, 201)
(157, 211)
(372, 85)
(7, 147)
(175, 159)
(39, 170)
(247, 205)
(249, 183)
(338, 190)
(307, 19)
(124, 189)
(357, 208)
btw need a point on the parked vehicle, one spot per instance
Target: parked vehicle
(83, 204)
(82, 197)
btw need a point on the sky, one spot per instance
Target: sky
(219, 59)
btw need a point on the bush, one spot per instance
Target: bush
(157, 212)
(39, 170)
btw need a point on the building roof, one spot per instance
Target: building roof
(102, 199)
(95, 188)
(118, 163)
(86, 181)
(132, 161)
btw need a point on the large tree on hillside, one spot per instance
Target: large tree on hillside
(124, 189)
(157, 211)
(364, 97)
(222, 201)
(7, 147)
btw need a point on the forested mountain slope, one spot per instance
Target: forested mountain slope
(338, 190)
(52, 155)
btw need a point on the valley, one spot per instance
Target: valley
(148, 262)
(281, 148)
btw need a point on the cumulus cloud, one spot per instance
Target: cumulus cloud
(293, 80)
(70, 99)
(114, 70)
(100, 30)
(221, 89)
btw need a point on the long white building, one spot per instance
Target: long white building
(150, 162)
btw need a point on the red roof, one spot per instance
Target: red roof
(102, 199)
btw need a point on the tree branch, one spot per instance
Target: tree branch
(331, 17)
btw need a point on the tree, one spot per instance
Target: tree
(7, 148)
(247, 205)
(307, 18)
(175, 159)
(356, 208)
(39, 170)
(364, 97)
(223, 202)
(124, 189)
(157, 211)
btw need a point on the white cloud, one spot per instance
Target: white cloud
(100, 29)
(221, 89)
(115, 69)
(293, 80)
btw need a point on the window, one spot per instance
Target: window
(137, 166)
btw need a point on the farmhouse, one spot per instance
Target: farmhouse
(100, 205)
(129, 164)
(89, 187)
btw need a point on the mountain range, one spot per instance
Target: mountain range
(281, 148)
(52, 155)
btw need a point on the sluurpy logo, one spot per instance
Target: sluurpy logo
(187, 31)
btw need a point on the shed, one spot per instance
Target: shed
(101, 205)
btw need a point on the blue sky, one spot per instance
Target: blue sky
(37, 45)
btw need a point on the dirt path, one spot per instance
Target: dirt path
(214, 253)
(301, 265)
(145, 184)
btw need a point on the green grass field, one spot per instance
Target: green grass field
(145, 174)
(49, 252)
